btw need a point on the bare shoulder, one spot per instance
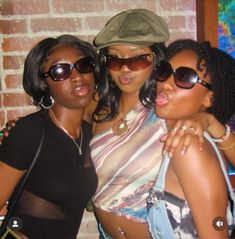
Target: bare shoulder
(195, 159)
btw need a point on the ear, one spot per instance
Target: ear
(208, 100)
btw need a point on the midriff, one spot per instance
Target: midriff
(119, 227)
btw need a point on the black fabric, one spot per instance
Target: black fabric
(61, 177)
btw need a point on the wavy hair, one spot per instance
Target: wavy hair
(109, 93)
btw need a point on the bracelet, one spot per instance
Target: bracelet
(228, 147)
(225, 136)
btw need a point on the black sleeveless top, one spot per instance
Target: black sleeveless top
(61, 182)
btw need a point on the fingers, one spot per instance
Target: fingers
(3, 133)
(11, 123)
(181, 135)
(173, 139)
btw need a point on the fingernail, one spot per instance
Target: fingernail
(183, 152)
(170, 154)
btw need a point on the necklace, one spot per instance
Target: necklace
(66, 132)
(121, 126)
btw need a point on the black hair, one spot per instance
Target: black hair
(33, 75)
(109, 93)
(220, 67)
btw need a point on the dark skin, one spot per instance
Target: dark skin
(200, 122)
(71, 97)
(208, 199)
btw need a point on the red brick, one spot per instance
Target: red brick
(13, 81)
(19, 43)
(15, 99)
(179, 5)
(176, 22)
(77, 6)
(12, 26)
(13, 62)
(191, 22)
(2, 119)
(94, 23)
(117, 5)
(25, 7)
(57, 24)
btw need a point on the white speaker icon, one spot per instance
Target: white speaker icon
(219, 223)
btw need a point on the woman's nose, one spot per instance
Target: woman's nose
(76, 75)
(168, 83)
(125, 68)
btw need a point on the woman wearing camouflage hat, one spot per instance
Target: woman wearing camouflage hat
(126, 149)
(127, 130)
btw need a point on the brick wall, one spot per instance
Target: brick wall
(25, 22)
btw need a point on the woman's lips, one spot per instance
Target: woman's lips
(125, 80)
(82, 90)
(161, 99)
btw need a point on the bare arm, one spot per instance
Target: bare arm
(204, 187)
(216, 130)
(9, 177)
(197, 124)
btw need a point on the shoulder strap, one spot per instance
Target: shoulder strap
(24, 180)
(228, 182)
(160, 180)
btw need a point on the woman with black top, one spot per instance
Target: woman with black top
(59, 76)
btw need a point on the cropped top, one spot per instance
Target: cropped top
(61, 182)
(127, 164)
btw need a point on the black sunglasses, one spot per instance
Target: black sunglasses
(184, 77)
(134, 63)
(63, 71)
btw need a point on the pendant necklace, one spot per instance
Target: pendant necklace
(67, 133)
(121, 126)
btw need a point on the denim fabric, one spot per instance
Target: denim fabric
(158, 220)
(103, 234)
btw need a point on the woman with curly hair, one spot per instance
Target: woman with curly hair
(192, 188)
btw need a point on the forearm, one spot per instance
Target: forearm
(217, 130)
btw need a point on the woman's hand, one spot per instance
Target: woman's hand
(184, 130)
(5, 131)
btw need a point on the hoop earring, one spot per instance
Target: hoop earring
(49, 100)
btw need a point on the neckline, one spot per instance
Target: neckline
(65, 131)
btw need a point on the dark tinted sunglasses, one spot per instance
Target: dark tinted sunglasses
(63, 71)
(135, 63)
(184, 77)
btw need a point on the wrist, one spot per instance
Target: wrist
(224, 136)
(215, 128)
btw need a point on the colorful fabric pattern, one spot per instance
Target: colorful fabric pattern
(127, 164)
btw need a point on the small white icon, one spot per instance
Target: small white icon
(15, 224)
(219, 223)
